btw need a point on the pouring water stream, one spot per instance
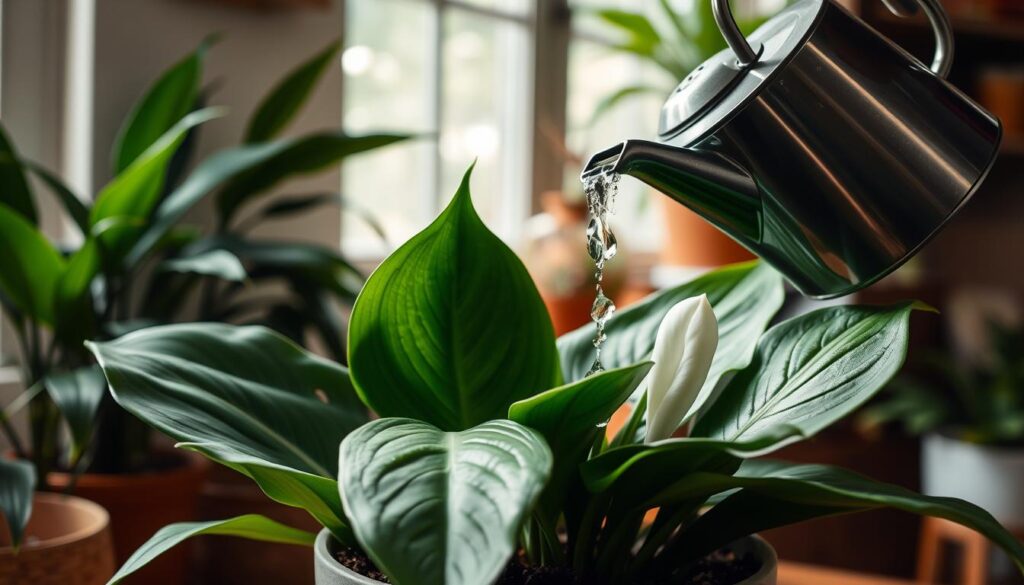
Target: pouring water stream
(600, 190)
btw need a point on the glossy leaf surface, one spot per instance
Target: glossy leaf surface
(809, 372)
(450, 328)
(776, 493)
(744, 297)
(245, 397)
(252, 527)
(437, 508)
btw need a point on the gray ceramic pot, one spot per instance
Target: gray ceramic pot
(330, 572)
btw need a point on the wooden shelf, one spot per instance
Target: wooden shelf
(798, 574)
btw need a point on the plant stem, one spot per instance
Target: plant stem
(587, 537)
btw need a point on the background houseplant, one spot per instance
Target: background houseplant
(484, 448)
(138, 264)
(967, 406)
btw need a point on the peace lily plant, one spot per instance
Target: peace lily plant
(488, 440)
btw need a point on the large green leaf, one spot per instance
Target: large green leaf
(450, 328)
(169, 100)
(294, 157)
(566, 414)
(17, 483)
(775, 494)
(15, 192)
(745, 298)
(246, 397)
(810, 372)
(284, 101)
(252, 527)
(137, 189)
(30, 268)
(78, 394)
(437, 508)
(569, 417)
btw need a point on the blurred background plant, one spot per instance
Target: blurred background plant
(972, 391)
(138, 260)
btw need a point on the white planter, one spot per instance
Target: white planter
(330, 572)
(989, 477)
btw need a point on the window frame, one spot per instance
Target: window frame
(547, 25)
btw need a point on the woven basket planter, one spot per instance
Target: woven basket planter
(67, 542)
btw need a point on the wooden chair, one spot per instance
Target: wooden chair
(974, 569)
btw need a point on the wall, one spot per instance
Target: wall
(136, 39)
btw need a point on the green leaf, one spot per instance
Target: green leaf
(437, 508)
(15, 192)
(17, 484)
(207, 177)
(776, 493)
(30, 268)
(450, 328)
(137, 189)
(294, 157)
(169, 100)
(300, 263)
(219, 263)
(636, 472)
(567, 414)
(77, 211)
(292, 205)
(245, 397)
(568, 417)
(284, 101)
(744, 296)
(613, 99)
(252, 527)
(642, 38)
(810, 372)
(78, 394)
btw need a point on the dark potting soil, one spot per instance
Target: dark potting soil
(719, 568)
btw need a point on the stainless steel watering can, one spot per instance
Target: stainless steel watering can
(819, 144)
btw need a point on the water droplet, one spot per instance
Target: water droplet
(597, 368)
(603, 309)
(595, 240)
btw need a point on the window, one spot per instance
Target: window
(459, 73)
(595, 71)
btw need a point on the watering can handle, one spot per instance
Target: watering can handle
(941, 62)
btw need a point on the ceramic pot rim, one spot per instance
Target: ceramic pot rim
(326, 561)
(100, 519)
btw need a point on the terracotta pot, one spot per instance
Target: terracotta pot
(67, 542)
(142, 503)
(693, 242)
(228, 494)
(331, 572)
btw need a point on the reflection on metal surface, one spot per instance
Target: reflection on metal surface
(835, 161)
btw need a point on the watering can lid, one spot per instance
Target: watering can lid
(712, 92)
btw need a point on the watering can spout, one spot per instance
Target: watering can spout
(708, 183)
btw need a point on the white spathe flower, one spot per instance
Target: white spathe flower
(683, 351)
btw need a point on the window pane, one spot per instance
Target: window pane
(484, 115)
(388, 66)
